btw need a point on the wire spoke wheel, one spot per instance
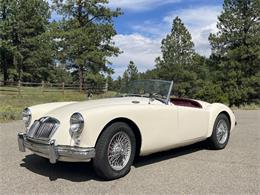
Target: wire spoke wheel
(222, 131)
(119, 151)
(115, 151)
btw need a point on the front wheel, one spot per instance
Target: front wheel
(221, 132)
(115, 151)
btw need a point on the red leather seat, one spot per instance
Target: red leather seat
(185, 102)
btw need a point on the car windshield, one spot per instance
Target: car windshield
(157, 89)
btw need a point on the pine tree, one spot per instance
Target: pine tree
(149, 74)
(22, 40)
(125, 79)
(85, 36)
(5, 29)
(118, 84)
(236, 50)
(130, 74)
(177, 59)
(110, 83)
(132, 71)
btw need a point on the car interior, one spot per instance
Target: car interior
(185, 102)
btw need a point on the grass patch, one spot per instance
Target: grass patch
(12, 104)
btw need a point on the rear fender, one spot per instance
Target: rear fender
(215, 109)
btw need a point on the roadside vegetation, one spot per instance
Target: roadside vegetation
(12, 104)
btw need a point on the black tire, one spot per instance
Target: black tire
(214, 142)
(101, 162)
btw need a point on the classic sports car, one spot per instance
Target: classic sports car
(144, 119)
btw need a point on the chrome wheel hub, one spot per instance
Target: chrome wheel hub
(119, 151)
(222, 131)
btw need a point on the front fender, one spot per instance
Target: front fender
(96, 120)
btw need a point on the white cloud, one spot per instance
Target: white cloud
(143, 46)
(200, 21)
(152, 29)
(138, 48)
(139, 5)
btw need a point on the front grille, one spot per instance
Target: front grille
(43, 128)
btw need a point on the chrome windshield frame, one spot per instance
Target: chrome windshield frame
(165, 96)
(169, 93)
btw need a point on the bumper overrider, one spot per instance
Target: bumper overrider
(54, 152)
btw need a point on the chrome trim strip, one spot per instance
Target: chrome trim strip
(76, 152)
(38, 140)
(169, 93)
(21, 142)
(53, 155)
(54, 152)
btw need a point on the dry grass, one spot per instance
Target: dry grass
(11, 103)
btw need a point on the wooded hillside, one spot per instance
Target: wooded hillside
(76, 49)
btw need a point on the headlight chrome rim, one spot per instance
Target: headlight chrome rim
(27, 116)
(76, 123)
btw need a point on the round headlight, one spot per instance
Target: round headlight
(76, 123)
(27, 116)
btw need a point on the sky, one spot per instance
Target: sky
(145, 23)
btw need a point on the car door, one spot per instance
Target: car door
(192, 123)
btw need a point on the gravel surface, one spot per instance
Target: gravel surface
(189, 170)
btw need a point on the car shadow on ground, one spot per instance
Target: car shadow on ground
(81, 171)
(72, 171)
(170, 154)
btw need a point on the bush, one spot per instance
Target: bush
(211, 93)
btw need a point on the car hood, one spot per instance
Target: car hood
(100, 103)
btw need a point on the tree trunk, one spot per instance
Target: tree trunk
(5, 68)
(81, 79)
(19, 68)
(4, 56)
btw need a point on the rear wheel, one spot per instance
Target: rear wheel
(115, 151)
(221, 132)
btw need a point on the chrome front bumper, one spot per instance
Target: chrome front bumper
(54, 152)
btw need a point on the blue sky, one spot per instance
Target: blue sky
(146, 22)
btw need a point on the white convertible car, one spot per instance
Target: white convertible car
(111, 132)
